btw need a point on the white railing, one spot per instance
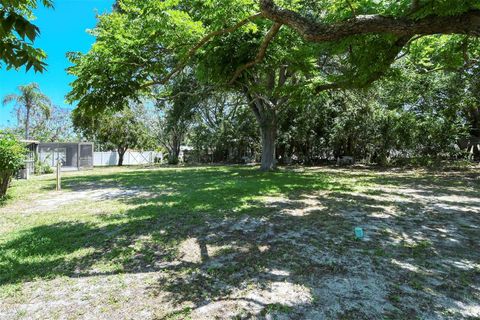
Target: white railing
(131, 158)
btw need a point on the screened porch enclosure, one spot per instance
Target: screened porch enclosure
(72, 156)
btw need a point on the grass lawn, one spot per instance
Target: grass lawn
(235, 243)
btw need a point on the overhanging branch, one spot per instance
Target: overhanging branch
(390, 57)
(184, 61)
(261, 52)
(315, 31)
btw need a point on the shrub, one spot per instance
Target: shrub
(42, 167)
(12, 157)
(46, 169)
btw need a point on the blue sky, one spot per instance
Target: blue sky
(63, 29)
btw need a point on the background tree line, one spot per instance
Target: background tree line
(407, 117)
(320, 79)
(242, 80)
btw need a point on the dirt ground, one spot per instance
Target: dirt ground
(296, 257)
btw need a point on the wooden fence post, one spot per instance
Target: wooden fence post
(59, 176)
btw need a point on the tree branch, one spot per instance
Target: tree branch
(314, 31)
(354, 13)
(415, 5)
(181, 65)
(390, 57)
(261, 52)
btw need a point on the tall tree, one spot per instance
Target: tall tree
(121, 130)
(29, 102)
(57, 128)
(173, 129)
(178, 110)
(241, 44)
(224, 129)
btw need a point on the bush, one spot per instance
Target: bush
(46, 169)
(12, 158)
(42, 167)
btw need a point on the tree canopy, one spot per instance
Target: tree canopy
(276, 53)
(121, 130)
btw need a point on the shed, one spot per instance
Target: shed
(73, 155)
(32, 149)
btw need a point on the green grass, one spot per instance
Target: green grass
(143, 230)
(73, 239)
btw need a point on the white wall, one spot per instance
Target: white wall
(131, 158)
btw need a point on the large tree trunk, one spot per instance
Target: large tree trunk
(121, 154)
(173, 156)
(268, 133)
(267, 120)
(174, 149)
(172, 142)
(5, 178)
(265, 107)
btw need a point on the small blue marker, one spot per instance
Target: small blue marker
(359, 234)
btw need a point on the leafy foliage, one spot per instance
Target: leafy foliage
(31, 105)
(18, 33)
(121, 130)
(224, 130)
(143, 50)
(12, 156)
(57, 127)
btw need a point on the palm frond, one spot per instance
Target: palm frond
(10, 98)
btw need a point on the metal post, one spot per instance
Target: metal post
(59, 177)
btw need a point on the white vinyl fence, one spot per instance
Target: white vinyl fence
(131, 158)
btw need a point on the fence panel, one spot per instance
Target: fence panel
(131, 158)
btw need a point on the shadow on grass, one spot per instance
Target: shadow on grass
(243, 242)
(4, 199)
(181, 201)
